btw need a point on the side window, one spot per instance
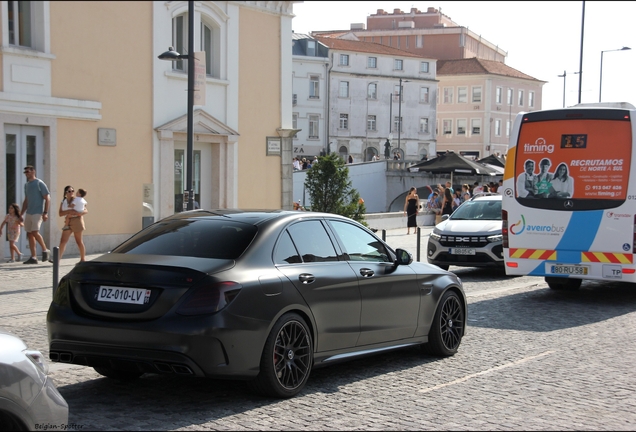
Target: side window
(313, 242)
(285, 252)
(359, 244)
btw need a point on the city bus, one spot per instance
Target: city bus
(569, 195)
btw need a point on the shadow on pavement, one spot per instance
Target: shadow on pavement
(544, 310)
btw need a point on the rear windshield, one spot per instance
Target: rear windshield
(201, 238)
(478, 210)
(579, 160)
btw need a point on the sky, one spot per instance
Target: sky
(542, 39)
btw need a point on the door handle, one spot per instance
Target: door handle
(306, 278)
(366, 272)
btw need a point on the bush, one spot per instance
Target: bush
(330, 189)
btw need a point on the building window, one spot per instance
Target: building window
(461, 126)
(294, 99)
(313, 125)
(447, 126)
(520, 98)
(507, 128)
(509, 96)
(462, 94)
(424, 67)
(498, 127)
(476, 94)
(397, 64)
(372, 62)
(424, 95)
(498, 95)
(294, 121)
(179, 37)
(344, 121)
(372, 91)
(531, 99)
(311, 48)
(396, 91)
(344, 89)
(424, 125)
(314, 87)
(211, 45)
(344, 59)
(419, 41)
(20, 23)
(475, 125)
(371, 123)
(397, 124)
(448, 95)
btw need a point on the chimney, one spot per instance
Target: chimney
(397, 12)
(380, 12)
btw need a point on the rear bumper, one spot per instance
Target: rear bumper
(199, 345)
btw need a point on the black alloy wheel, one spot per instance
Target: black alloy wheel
(447, 328)
(287, 358)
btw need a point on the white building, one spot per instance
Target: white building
(364, 100)
(309, 82)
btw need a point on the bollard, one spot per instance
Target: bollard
(418, 243)
(384, 235)
(56, 267)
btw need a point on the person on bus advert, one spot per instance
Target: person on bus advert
(544, 179)
(527, 181)
(562, 183)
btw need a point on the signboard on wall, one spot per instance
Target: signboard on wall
(273, 146)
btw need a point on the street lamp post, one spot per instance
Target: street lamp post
(400, 111)
(172, 55)
(600, 85)
(563, 76)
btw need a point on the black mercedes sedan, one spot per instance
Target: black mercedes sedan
(263, 296)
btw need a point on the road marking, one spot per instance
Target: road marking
(487, 371)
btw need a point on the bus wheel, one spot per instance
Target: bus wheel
(563, 284)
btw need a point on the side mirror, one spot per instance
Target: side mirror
(403, 257)
(444, 217)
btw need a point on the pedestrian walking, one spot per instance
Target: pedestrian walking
(37, 199)
(13, 221)
(411, 208)
(76, 223)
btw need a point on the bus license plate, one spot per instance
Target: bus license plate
(462, 251)
(123, 295)
(578, 270)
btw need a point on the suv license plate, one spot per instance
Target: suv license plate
(568, 269)
(462, 251)
(123, 295)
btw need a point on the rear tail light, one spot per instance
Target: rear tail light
(208, 299)
(504, 227)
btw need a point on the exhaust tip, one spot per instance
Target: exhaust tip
(182, 370)
(66, 357)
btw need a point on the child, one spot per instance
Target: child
(13, 222)
(78, 205)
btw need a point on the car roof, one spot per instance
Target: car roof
(488, 196)
(250, 216)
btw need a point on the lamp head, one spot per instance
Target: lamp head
(170, 55)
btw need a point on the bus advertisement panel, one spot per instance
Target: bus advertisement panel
(567, 205)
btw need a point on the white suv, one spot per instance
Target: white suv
(471, 236)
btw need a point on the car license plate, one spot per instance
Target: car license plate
(123, 295)
(571, 269)
(462, 251)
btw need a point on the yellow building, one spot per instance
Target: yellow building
(85, 99)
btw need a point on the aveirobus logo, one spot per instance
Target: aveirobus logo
(548, 229)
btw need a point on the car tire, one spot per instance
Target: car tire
(447, 328)
(117, 374)
(287, 358)
(9, 422)
(563, 284)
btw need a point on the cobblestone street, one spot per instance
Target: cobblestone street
(532, 359)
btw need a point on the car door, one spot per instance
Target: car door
(390, 294)
(307, 257)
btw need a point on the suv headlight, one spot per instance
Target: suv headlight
(435, 236)
(495, 238)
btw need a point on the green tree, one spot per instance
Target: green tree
(330, 190)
